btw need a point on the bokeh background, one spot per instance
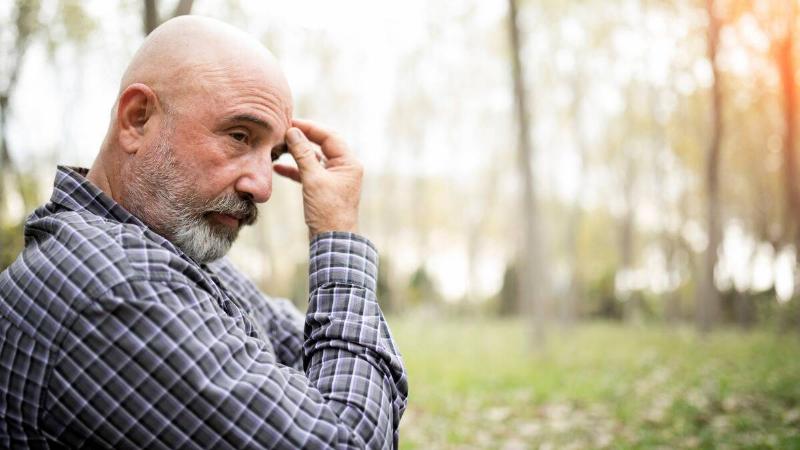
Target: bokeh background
(587, 211)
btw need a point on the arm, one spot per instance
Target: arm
(331, 192)
(284, 325)
(280, 321)
(167, 371)
(343, 304)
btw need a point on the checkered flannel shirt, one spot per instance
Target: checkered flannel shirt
(111, 337)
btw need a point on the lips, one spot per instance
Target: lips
(231, 211)
(225, 219)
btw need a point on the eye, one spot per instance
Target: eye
(277, 152)
(240, 136)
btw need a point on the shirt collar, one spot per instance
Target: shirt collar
(71, 190)
(74, 192)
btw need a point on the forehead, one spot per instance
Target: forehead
(256, 96)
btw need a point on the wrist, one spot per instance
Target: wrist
(332, 228)
(342, 257)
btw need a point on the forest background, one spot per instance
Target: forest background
(588, 212)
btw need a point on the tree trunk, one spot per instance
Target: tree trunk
(26, 19)
(568, 306)
(708, 298)
(627, 232)
(183, 8)
(151, 18)
(671, 298)
(529, 275)
(785, 62)
(5, 157)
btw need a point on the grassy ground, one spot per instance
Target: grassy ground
(597, 386)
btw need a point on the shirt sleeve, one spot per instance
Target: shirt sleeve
(279, 319)
(283, 324)
(163, 369)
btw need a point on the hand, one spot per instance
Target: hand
(331, 190)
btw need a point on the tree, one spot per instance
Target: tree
(71, 24)
(569, 303)
(529, 275)
(152, 19)
(708, 299)
(784, 58)
(25, 25)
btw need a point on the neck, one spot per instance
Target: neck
(99, 176)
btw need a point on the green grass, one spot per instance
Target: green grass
(474, 384)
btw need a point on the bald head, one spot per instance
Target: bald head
(184, 54)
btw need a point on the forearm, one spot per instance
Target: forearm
(349, 354)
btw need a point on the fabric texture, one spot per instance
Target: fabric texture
(112, 337)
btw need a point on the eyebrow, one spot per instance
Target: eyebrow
(249, 118)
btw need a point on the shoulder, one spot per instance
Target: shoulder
(97, 253)
(72, 260)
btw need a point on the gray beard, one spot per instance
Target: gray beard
(166, 200)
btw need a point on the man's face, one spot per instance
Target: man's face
(198, 181)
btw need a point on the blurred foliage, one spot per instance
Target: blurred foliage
(26, 195)
(507, 304)
(605, 302)
(68, 23)
(421, 289)
(384, 291)
(642, 158)
(72, 24)
(11, 242)
(298, 286)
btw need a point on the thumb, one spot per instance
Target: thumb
(302, 150)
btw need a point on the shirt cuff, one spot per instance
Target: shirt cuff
(342, 258)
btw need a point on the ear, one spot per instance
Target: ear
(136, 106)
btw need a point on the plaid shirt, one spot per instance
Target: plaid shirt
(110, 336)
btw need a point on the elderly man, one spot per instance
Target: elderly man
(122, 324)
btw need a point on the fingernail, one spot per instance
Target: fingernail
(294, 136)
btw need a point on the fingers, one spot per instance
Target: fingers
(287, 171)
(302, 151)
(332, 145)
(321, 158)
(315, 131)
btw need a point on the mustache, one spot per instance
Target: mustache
(233, 205)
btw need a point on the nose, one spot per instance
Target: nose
(256, 181)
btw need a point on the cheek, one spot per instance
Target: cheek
(199, 150)
(213, 165)
(208, 158)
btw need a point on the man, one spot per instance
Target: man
(121, 325)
